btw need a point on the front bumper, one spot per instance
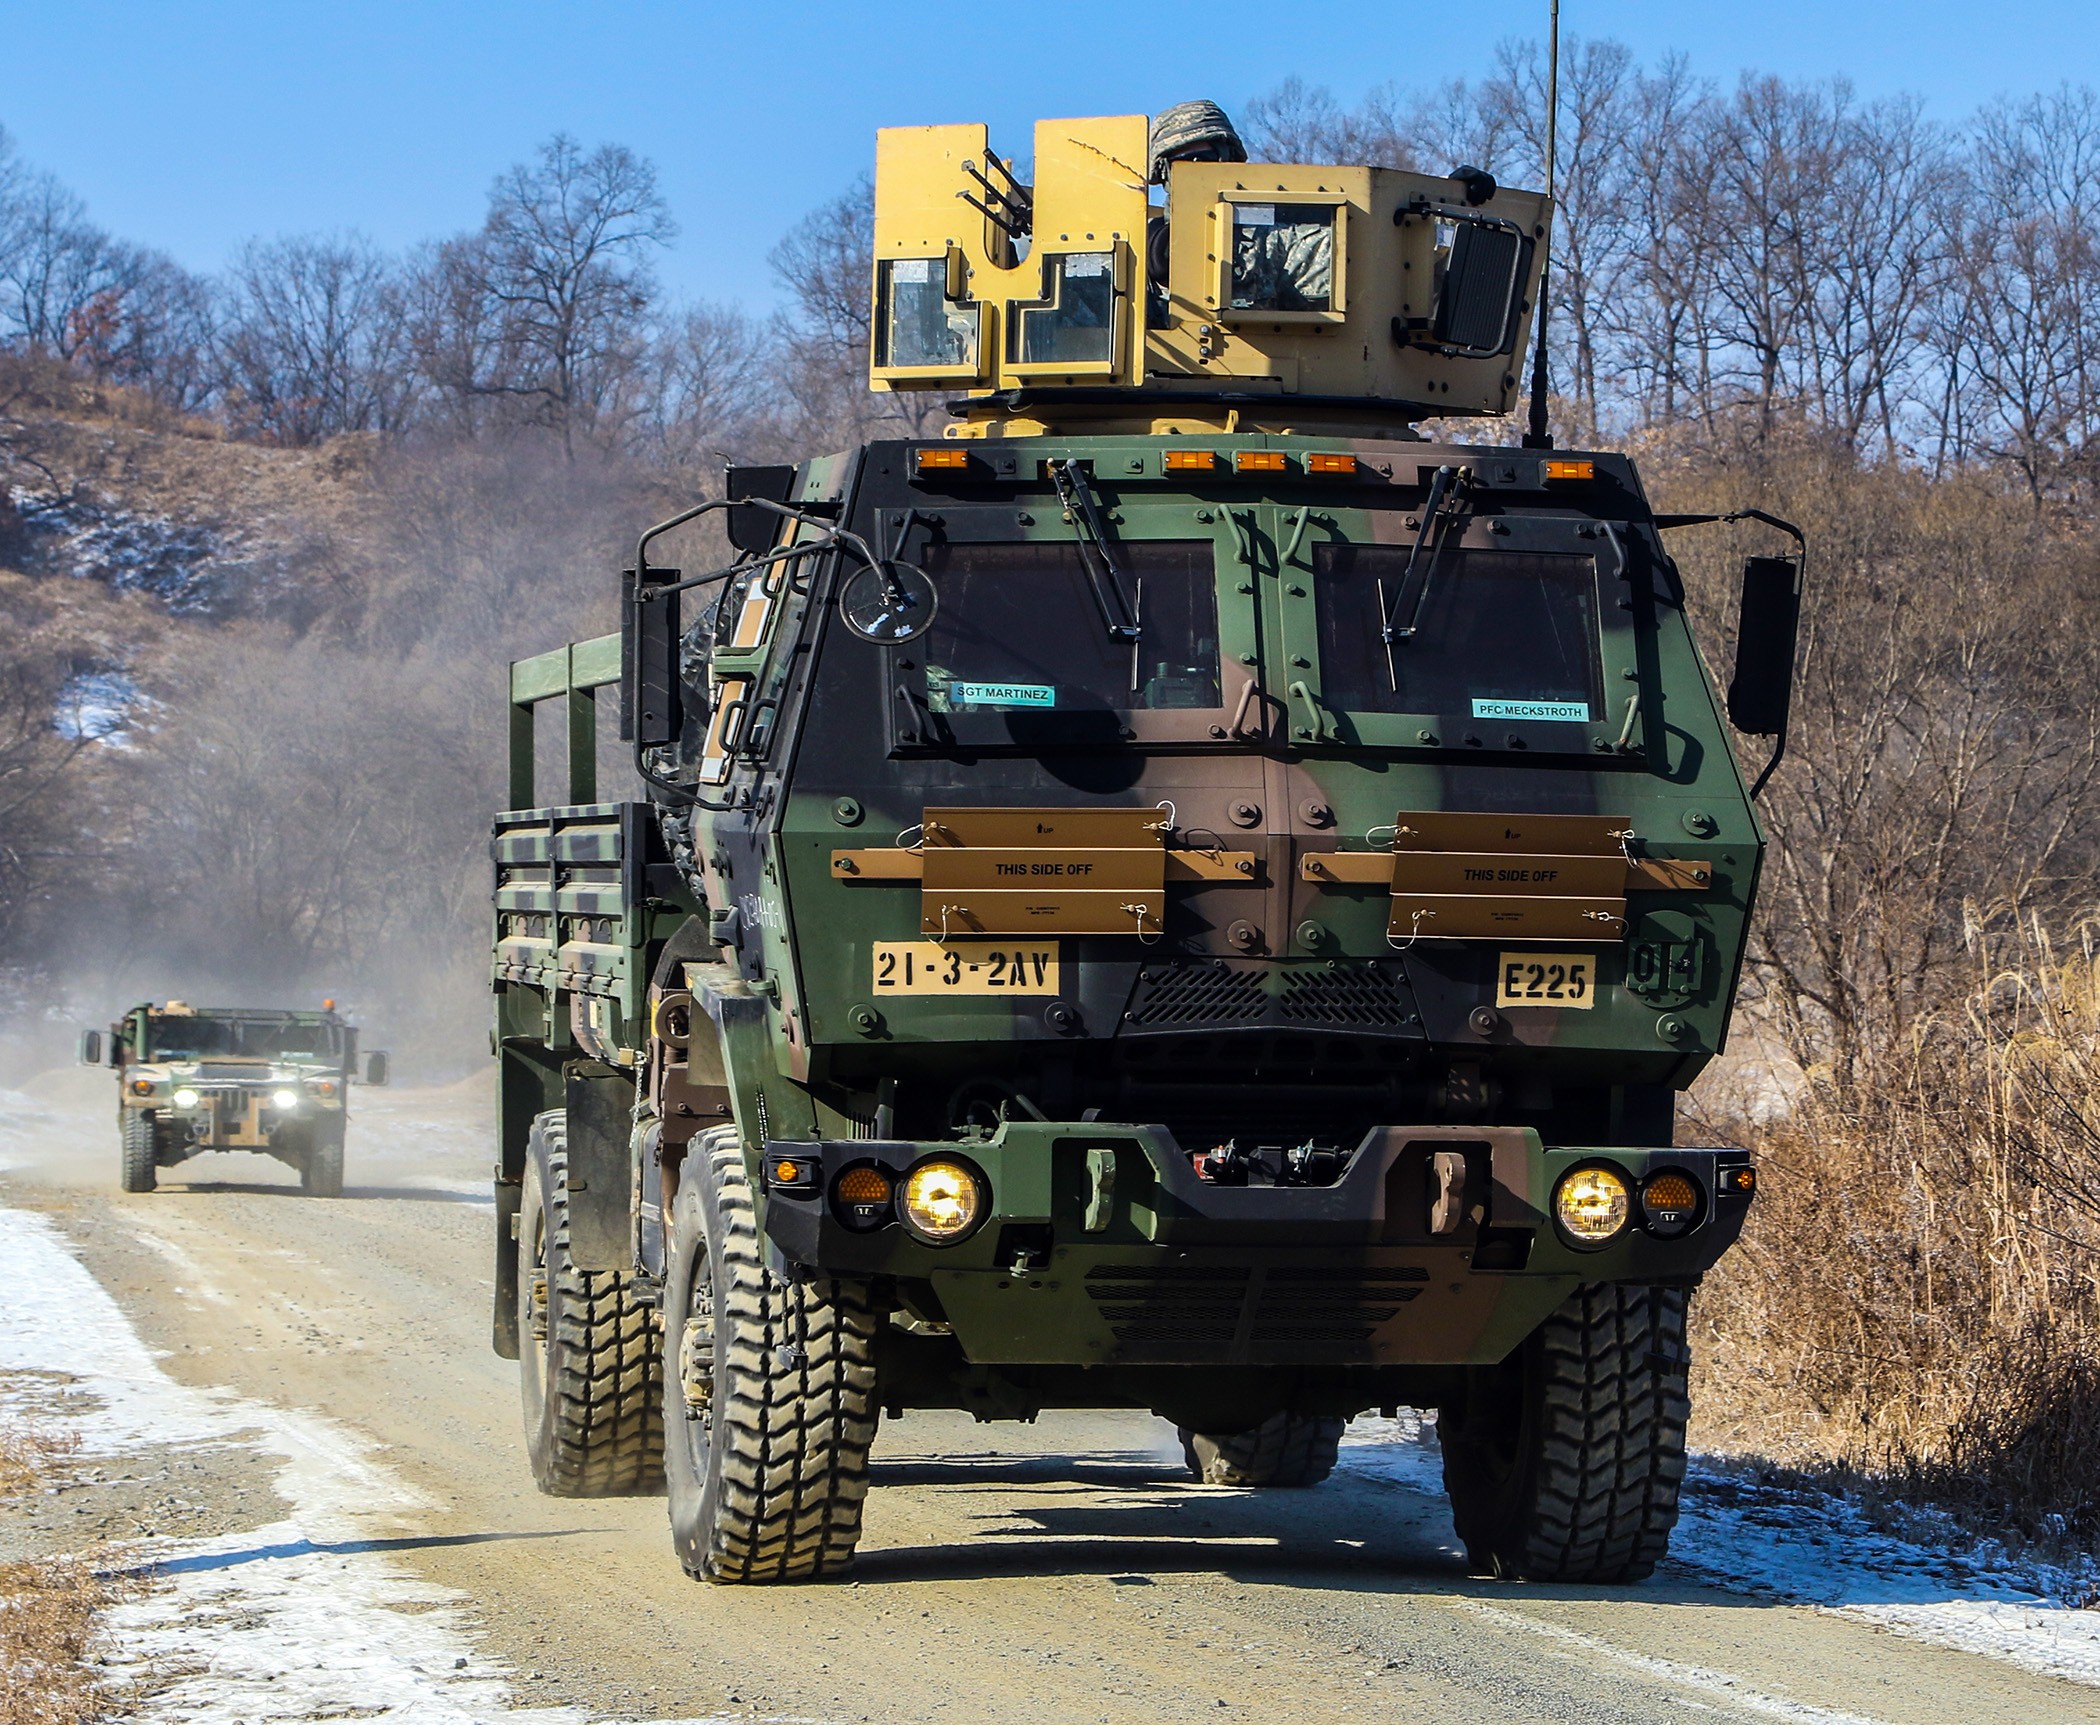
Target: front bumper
(1101, 1245)
(234, 1117)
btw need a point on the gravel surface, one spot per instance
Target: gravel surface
(293, 1400)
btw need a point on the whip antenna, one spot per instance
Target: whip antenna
(1537, 436)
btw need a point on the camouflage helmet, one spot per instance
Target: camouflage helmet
(1191, 132)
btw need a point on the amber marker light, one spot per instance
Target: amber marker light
(1191, 460)
(943, 1201)
(1261, 461)
(142, 1087)
(861, 1197)
(1669, 1204)
(1593, 1206)
(1330, 461)
(1560, 469)
(942, 460)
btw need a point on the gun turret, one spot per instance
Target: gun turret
(1282, 294)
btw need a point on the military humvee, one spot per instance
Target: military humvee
(198, 1078)
(1177, 893)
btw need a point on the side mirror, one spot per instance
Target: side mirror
(649, 660)
(91, 1048)
(1768, 626)
(375, 1067)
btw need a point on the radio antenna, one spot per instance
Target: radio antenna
(1537, 437)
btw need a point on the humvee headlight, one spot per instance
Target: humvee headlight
(943, 1200)
(185, 1098)
(286, 1099)
(1593, 1205)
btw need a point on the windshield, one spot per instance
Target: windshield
(1497, 634)
(1020, 630)
(187, 1036)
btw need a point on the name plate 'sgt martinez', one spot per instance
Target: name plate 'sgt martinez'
(1176, 893)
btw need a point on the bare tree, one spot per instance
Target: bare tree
(825, 263)
(314, 340)
(548, 307)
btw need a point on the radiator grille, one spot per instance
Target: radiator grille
(1217, 994)
(1360, 995)
(1193, 994)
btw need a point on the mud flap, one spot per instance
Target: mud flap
(600, 1104)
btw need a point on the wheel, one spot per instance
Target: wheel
(141, 1171)
(769, 1401)
(1564, 1462)
(1286, 1449)
(321, 1162)
(588, 1347)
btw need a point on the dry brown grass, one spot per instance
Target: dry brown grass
(1918, 1295)
(51, 1607)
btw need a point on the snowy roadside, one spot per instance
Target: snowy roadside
(1748, 1533)
(300, 1619)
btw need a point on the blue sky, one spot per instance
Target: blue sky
(193, 124)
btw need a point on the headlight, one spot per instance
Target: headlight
(185, 1098)
(943, 1200)
(284, 1099)
(1593, 1205)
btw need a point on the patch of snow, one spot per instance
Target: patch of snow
(193, 567)
(1742, 1528)
(303, 1619)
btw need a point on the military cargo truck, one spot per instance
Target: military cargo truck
(198, 1078)
(1176, 893)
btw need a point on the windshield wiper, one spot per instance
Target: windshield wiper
(1119, 606)
(1442, 484)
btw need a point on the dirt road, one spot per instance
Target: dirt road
(1064, 1571)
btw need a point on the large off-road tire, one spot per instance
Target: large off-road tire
(321, 1161)
(141, 1171)
(1564, 1462)
(769, 1391)
(589, 1353)
(1286, 1449)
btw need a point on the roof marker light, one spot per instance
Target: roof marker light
(1191, 460)
(930, 460)
(1563, 469)
(1330, 461)
(1260, 461)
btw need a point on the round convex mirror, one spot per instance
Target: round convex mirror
(888, 603)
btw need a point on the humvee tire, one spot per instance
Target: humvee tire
(321, 1162)
(769, 1392)
(141, 1172)
(589, 1352)
(1564, 1462)
(1286, 1449)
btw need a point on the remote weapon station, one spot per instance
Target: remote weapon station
(1174, 892)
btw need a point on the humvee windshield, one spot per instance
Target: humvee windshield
(195, 1037)
(1020, 630)
(1498, 634)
